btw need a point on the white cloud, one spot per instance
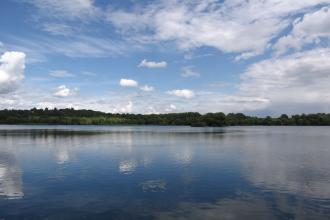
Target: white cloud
(63, 91)
(73, 9)
(12, 65)
(147, 88)
(188, 71)
(122, 102)
(43, 105)
(310, 29)
(216, 101)
(296, 83)
(189, 55)
(128, 108)
(7, 102)
(152, 64)
(58, 29)
(61, 73)
(229, 26)
(77, 46)
(171, 108)
(128, 83)
(71, 20)
(185, 93)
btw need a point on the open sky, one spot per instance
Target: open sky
(261, 57)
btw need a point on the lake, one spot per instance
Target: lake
(152, 172)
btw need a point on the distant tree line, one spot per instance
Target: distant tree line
(89, 117)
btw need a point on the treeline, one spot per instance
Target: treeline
(89, 117)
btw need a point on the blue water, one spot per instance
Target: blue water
(151, 172)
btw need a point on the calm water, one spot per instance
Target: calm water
(101, 172)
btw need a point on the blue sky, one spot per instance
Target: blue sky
(257, 57)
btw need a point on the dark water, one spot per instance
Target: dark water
(101, 172)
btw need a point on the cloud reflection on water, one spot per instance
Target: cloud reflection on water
(154, 185)
(281, 176)
(10, 177)
(288, 163)
(127, 166)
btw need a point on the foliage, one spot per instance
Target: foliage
(89, 117)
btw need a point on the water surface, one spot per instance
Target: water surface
(151, 172)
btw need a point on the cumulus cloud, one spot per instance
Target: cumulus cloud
(171, 108)
(121, 102)
(185, 93)
(12, 65)
(291, 82)
(7, 102)
(127, 108)
(309, 29)
(153, 64)
(229, 26)
(61, 74)
(63, 91)
(128, 83)
(43, 105)
(147, 88)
